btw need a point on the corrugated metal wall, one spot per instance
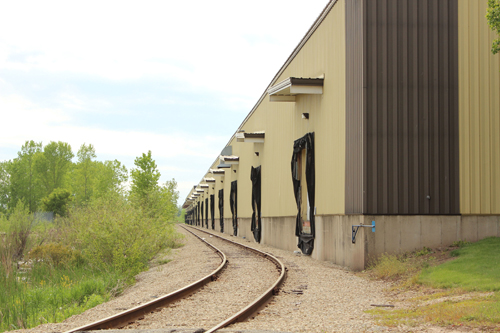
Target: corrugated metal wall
(479, 75)
(410, 124)
(354, 107)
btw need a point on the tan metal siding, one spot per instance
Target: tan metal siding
(479, 85)
(324, 53)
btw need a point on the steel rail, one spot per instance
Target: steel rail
(260, 301)
(130, 315)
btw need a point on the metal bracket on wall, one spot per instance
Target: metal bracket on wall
(356, 227)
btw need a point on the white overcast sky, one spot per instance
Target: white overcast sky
(173, 77)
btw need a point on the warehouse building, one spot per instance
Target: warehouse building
(386, 113)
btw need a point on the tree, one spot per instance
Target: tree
(53, 165)
(110, 177)
(161, 201)
(23, 177)
(157, 201)
(493, 18)
(145, 177)
(57, 201)
(4, 186)
(84, 173)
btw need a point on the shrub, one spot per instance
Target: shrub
(56, 254)
(388, 267)
(57, 201)
(112, 232)
(15, 239)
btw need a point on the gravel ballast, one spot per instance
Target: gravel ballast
(316, 296)
(245, 277)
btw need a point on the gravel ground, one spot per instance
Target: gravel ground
(316, 296)
(245, 277)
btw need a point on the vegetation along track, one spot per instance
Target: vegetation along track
(244, 287)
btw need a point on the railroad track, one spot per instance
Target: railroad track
(238, 293)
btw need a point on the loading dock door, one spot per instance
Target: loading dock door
(212, 210)
(221, 209)
(198, 214)
(206, 212)
(303, 178)
(233, 202)
(202, 217)
(256, 203)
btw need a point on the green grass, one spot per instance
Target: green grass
(477, 268)
(78, 262)
(46, 294)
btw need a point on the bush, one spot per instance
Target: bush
(56, 254)
(15, 239)
(112, 232)
(388, 267)
(57, 201)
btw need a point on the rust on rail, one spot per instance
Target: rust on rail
(260, 301)
(126, 317)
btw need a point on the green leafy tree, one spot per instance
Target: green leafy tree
(161, 201)
(493, 17)
(4, 186)
(145, 177)
(57, 202)
(84, 174)
(110, 177)
(53, 165)
(157, 201)
(23, 177)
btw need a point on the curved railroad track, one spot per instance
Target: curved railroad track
(241, 280)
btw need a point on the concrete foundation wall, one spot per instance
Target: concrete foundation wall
(279, 232)
(244, 228)
(398, 234)
(333, 241)
(394, 234)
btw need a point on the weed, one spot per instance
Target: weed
(56, 254)
(78, 261)
(474, 312)
(389, 267)
(476, 269)
(423, 252)
(51, 295)
(460, 243)
(16, 237)
(164, 261)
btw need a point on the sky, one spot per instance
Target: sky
(173, 77)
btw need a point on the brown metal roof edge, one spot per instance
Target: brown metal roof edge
(297, 49)
(257, 135)
(306, 81)
(230, 158)
(298, 81)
